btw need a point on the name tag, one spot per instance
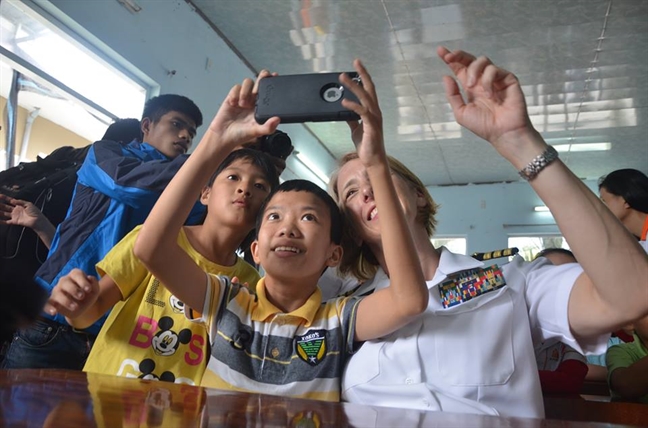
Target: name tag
(468, 284)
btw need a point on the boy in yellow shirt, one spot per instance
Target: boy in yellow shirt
(146, 334)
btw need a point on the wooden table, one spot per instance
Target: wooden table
(62, 398)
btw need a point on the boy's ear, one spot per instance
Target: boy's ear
(336, 256)
(254, 247)
(146, 127)
(204, 195)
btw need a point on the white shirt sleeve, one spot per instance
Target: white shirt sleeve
(547, 291)
(333, 285)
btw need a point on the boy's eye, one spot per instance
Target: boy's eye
(308, 217)
(260, 186)
(232, 177)
(272, 216)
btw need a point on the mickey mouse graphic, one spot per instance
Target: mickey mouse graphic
(147, 367)
(176, 304)
(166, 341)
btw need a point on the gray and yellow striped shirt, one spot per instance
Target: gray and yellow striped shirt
(258, 348)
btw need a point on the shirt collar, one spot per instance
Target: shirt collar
(450, 263)
(265, 309)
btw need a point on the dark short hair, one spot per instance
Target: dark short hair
(337, 224)
(630, 184)
(564, 251)
(158, 106)
(256, 158)
(124, 131)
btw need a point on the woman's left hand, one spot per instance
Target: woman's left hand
(367, 135)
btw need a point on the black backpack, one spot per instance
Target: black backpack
(47, 183)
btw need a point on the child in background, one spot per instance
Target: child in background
(625, 192)
(284, 341)
(147, 335)
(627, 366)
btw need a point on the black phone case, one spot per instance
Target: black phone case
(301, 98)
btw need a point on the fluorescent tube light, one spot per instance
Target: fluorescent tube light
(541, 209)
(583, 147)
(130, 5)
(310, 165)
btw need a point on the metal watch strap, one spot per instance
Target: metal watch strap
(538, 163)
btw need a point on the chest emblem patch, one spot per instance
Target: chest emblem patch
(468, 284)
(311, 347)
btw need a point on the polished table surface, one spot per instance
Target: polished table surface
(62, 398)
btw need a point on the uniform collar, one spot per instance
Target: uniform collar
(450, 263)
(264, 309)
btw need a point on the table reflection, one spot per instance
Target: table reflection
(62, 398)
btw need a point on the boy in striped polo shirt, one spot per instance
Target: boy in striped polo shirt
(284, 340)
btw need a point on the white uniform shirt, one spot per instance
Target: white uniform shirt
(332, 285)
(476, 357)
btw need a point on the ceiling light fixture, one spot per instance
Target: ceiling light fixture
(312, 167)
(541, 209)
(583, 147)
(130, 5)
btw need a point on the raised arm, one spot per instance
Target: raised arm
(407, 296)
(17, 212)
(156, 245)
(613, 289)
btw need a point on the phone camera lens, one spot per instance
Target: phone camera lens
(332, 92)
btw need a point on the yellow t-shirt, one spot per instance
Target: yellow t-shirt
(147, 334)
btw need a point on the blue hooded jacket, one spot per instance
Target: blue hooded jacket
(117, 186)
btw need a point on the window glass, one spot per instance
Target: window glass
(31, 37)
(530, 246)
(456, 245)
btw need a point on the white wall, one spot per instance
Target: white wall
(487, 214)
(168, 36)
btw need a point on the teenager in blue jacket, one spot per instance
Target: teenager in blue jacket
(117, 186)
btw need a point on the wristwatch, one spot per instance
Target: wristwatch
(538, 163)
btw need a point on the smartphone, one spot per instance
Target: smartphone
(302, 98)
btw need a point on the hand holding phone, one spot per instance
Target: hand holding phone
(302, 98)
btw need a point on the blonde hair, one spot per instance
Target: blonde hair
(359, 260)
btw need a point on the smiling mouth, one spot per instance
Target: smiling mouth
(373, 214)
(283, 249)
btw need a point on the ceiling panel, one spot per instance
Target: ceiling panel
(583, 65)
